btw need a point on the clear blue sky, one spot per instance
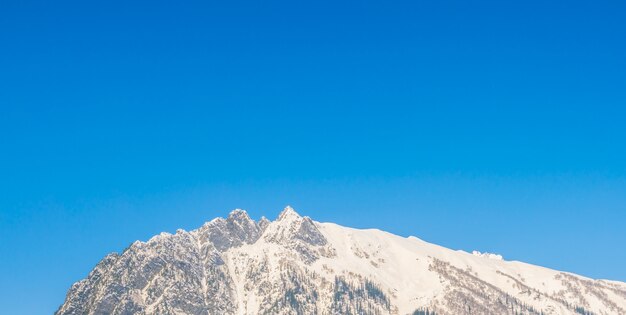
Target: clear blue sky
(485, 125)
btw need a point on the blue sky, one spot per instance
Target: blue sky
(485, 125)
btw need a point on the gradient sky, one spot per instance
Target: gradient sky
(473, 124)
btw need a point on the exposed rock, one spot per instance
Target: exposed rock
(295, 265)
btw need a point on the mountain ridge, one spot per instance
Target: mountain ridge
(294, 265)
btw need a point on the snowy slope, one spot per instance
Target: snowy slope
(295, 265)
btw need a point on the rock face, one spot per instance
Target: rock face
(295, 265)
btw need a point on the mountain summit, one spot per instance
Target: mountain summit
(288, 214)
(294, 265)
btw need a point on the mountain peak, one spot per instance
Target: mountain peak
(290, 227)
(239, 214)
(263, 223)
(288, 214)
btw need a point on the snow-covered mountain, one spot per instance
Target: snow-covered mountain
(294, 265)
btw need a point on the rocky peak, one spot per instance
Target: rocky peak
(290, 226)
(237, 229)
(263, 223)
(288, 214)
(240, 225)
(240, 217)
(239, 213)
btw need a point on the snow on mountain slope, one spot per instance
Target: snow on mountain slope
(295, 265)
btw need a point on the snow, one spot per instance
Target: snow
(406, 260)
(402, 267)
(487, 255)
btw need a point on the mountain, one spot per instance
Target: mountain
(295, 265)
